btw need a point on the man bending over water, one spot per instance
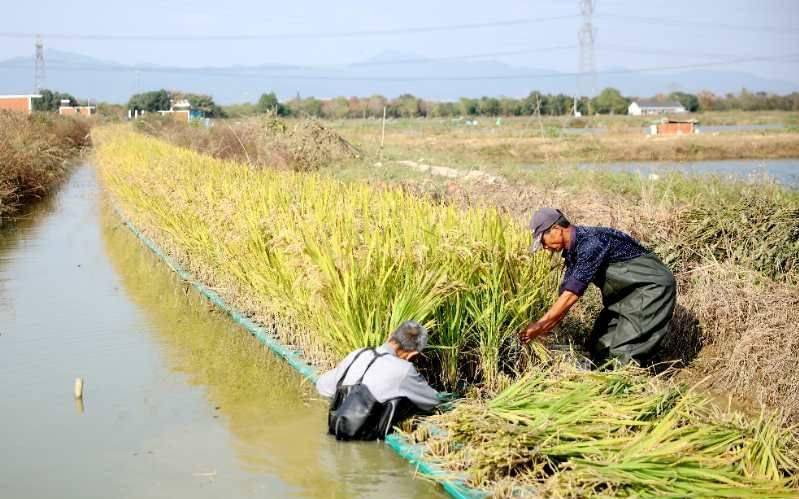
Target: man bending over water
(373, 389)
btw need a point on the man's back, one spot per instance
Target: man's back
(389, 377)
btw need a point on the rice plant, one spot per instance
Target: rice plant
(346, 263)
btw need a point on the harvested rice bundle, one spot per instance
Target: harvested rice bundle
(563, 432)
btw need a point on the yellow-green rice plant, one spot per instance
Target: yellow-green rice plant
(453, 329)
(345, 262)
(499, 299)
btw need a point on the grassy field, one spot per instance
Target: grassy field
(526, 141)
(335, 265)
(34, 155)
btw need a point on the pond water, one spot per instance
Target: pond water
(782, 171)
(739, 128)
(178, 403)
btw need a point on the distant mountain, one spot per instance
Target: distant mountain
(389, 74)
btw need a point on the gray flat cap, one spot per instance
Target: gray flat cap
(542, 220)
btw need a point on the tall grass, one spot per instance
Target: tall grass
(345, 263)
(755, 231)
(34, 151)
(267, 141)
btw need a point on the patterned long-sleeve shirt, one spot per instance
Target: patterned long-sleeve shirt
(593, 249)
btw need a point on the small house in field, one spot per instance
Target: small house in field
(65, 109)
(182, 110)
(674, 127)
(643, 107)
(18, 103)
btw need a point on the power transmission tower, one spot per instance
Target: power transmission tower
(586, 80)
(39, 74)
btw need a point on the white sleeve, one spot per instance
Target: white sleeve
(326, 384)
(416, 389)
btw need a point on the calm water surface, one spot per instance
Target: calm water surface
(179, 402)
(782, 171)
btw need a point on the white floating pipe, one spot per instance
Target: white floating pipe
(78, 388)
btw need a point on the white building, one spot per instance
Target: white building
(651, 107)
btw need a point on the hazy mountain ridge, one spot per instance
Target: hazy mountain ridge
(389, 74)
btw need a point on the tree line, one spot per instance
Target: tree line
(609, 101)
(162, 100)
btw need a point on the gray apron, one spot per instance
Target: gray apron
(639, 297)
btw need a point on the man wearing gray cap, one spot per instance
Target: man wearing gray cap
(638, 290)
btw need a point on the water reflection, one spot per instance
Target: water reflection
(276, 423)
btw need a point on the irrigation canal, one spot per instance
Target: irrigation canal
(178, 401)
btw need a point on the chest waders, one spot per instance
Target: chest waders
(638, 297)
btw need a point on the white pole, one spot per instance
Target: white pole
(78, 388)
(383, 134)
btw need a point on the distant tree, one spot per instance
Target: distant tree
(337, 108)
(202, 102)
(706, 100)
(444, 109)
(510, 107)
(585, 106)
(156, 100)
(407, 106)
(489, 106)
(426, 107)
(267, 103)
(469, 107)
(376, 104)
(357, 107)
(51, 100)
(535, 101)
(610, 101)
(558, 105)
(793, 101)
(311, 107)
(689, 101)
(747, 101)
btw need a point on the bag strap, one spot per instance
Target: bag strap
(377, 355)
(343, 376)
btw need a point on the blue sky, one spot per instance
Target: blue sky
(671, 32)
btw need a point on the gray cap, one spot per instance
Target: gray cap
(542, 220)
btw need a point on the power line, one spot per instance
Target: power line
(287, 36)
(463, 57)
(682, 23)
(256, 73)
(646, 51)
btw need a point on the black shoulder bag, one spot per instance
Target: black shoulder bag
(354, 412)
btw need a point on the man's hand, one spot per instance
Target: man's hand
(550, 319)
(532, 331)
